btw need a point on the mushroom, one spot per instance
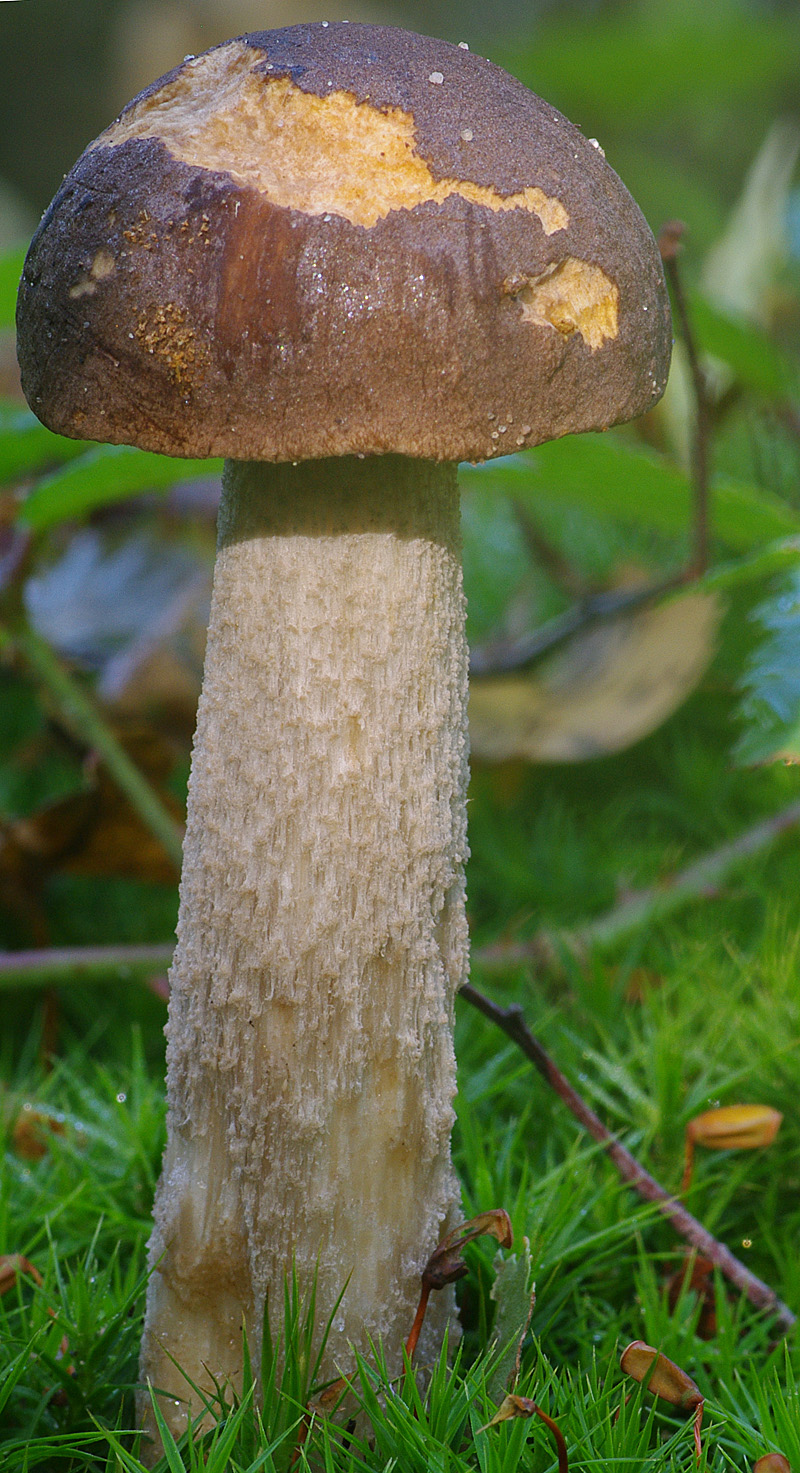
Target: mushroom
(345, 257)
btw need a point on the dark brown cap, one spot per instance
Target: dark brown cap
(338, 239)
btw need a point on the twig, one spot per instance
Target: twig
(72, 964)
(84, 719)
(512, 1022)
(669, 243)
(698, 881)
(503, 655)
(542, 550)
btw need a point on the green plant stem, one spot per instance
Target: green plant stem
(698, 881)
(512, 1023)
(82, 717)
(71, 964)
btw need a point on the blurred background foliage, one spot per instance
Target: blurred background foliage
(106, 552)
(611, 750)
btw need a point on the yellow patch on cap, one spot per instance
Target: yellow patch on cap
(571, 296)
(322, 155)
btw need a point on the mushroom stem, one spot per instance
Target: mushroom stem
(322, 933)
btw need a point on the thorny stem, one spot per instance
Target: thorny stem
(669, 244)
(513, 1024)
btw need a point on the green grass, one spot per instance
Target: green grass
(717, 1022)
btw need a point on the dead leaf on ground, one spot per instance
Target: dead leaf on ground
(30, 1131)
(134, 609)
(11, 1266)
(92, 832)
(609, 687)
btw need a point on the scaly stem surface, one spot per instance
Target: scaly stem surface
(322, 935)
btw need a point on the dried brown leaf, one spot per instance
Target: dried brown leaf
(11, 1266)
(30, 1131)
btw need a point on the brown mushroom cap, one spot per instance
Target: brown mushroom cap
(338, 239)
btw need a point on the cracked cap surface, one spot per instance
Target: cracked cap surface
(341, 239)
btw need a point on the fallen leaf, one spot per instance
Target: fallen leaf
(11, 1266)
(92, 832)
(609, 687)
(30, 1130)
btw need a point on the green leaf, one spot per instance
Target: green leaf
(174, 1460)
(25, 444)
(770, 706)
(103, 475)
(755, 360)
(514, 1293)
(611, 478)
(11, 263)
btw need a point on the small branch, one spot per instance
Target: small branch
(83, 718)
(71, 964)
(542, 550)
(669, 244)
(501, 656)
(512, 1023)
(698, 881)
